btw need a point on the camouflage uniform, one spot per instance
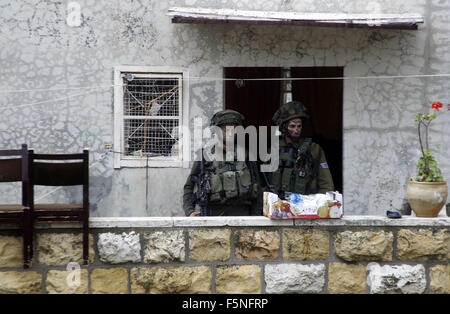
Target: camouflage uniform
(303, 167)
(235, 185)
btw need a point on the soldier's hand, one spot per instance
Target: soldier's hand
(194, 214)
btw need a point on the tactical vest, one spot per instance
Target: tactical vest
(231, 181)
(296, 171)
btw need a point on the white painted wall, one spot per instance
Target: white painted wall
(52, 61)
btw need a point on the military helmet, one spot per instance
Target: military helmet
(227, 116)
(288, 111)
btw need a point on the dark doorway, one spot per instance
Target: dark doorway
(258, 100)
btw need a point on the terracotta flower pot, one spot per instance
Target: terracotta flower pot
(426, 198)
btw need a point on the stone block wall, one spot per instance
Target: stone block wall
(357, 255)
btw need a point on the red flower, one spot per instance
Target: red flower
(436, 105)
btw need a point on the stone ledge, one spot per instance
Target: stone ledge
(246, 221)
(377, 221)
(231, 221)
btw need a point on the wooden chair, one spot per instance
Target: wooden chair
(15, 169)
(61, 170)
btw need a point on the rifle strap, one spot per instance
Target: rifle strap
(314, 173)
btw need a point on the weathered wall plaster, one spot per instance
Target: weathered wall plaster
(46, 61)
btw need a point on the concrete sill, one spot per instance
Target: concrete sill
(250, 221)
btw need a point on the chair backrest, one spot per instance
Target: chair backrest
(14, 169)
(59, 169)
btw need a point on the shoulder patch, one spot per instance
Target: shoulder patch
(324, 165)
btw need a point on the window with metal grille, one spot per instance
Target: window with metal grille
(148, 107)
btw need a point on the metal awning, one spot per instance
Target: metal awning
(229, 16)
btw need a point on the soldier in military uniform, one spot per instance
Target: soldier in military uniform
(235, 185)
(303, 167)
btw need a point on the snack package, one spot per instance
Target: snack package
(295, 205)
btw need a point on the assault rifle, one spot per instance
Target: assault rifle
(269, 187)
(203, 189)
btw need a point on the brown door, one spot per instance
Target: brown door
(258, 100)
(323, 98)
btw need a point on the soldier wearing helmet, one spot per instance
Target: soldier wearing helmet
(235, 188)
(303, 167)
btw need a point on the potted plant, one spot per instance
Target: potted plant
(427, 192)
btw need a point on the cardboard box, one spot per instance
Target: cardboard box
(321, 206)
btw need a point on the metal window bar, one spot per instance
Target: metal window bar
(151, 117)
